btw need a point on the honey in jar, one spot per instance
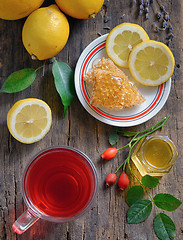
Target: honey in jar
(154, 155)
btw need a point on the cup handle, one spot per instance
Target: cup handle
(25, 221)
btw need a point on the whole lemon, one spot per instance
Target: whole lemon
(16, 9)
(45, 32)
(81, 9)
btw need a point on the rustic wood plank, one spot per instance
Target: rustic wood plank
(107, 218)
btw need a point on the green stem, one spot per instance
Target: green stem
(132, 172)
(39, 68)
(127, 145)
(162, 120)
(147, 129)
(124, 166)
(120, 166)
(152, 129)
(129, 155)
(123, 147)
(92, 15)
(145, 189)
(54, 59)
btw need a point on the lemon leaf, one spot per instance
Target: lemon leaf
(19, 80)
(64, 83)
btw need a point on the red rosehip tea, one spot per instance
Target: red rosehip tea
(60, 183)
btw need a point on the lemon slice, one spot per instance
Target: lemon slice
(29, 120)
(121, 40)
(151, 63)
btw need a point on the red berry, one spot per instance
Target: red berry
(110, 179)
(123, 181)
(109, 153)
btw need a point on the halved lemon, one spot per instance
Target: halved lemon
(121, 40)
(29, 120)
(151, 63)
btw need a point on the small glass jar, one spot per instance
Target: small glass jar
(154, 155)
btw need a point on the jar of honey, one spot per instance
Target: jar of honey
(154, 155)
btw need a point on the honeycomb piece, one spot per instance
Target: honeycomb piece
(109, 87)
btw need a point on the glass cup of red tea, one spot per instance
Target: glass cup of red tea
(59, 184)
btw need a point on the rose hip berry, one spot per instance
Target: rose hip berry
(109, 153)
(123, 181)
(110, 179)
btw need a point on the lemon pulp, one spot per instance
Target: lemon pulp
(121, 41)
(29, 120)
(124, 43)
(151, 63)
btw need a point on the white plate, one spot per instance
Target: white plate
(155, 96)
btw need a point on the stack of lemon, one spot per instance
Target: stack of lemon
(46, 30)
(150, 62)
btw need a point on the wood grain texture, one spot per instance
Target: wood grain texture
(107, 218)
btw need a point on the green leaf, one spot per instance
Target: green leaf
(167, 202)
(129, 134)
(64, 83)
(139, 211)
(113, 138)
(19, 80)
(149, 181)
(164, 227)
(134, 194)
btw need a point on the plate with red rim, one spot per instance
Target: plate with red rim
(155, 97)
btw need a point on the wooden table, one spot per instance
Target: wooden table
(107, 218)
